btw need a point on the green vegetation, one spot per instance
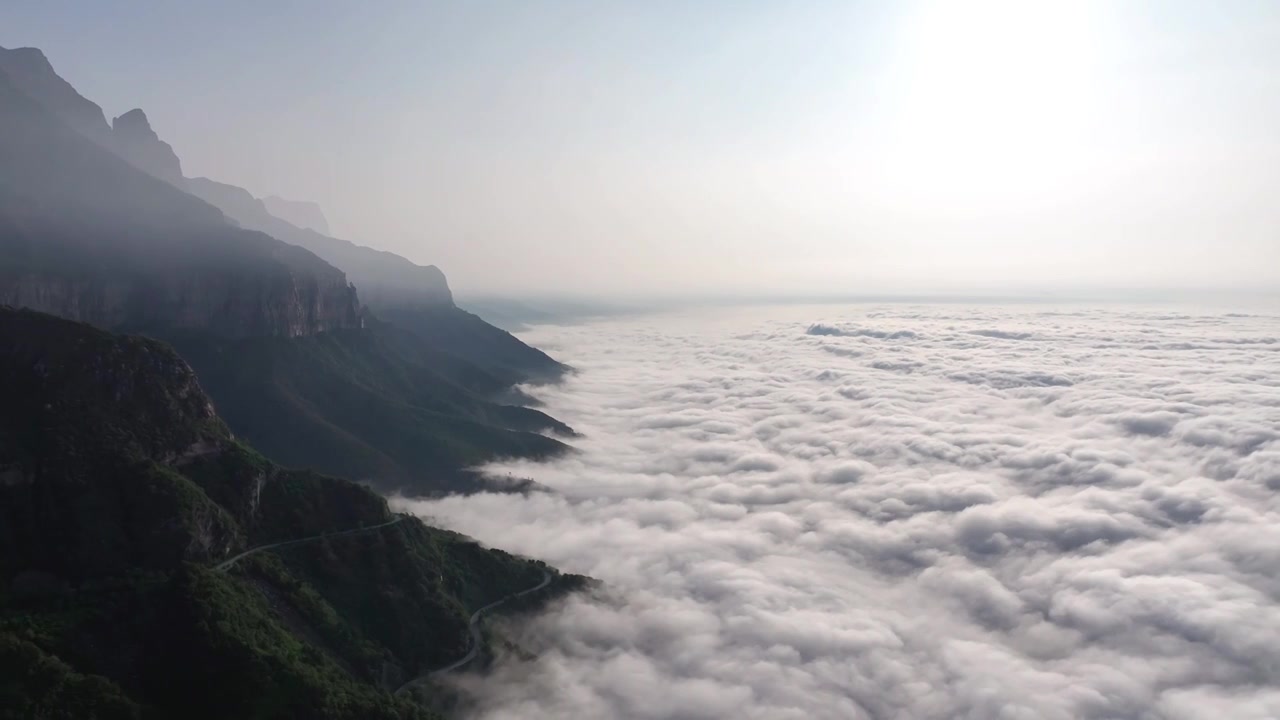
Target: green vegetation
(278, 336)
(376, 404)
(38, 685)
(466, 335)
(120, 489)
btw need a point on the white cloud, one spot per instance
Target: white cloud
(917, 512)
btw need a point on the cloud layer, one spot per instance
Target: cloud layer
(904, 512)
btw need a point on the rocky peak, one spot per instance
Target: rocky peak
(134, 125)
(129, 136)
(91, 237)
(31, 73)
(135, 141)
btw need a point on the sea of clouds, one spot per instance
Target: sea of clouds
(903, 512)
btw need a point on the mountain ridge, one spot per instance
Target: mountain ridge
(122, 491)
(302, 213)
(378, 271)
(89, 236)
(125, 250)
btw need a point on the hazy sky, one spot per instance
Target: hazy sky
(725, 146)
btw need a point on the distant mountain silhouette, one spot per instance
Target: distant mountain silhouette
(130, 136)
(415, 297)
(275, 332)
(30, 73)
(307, 215)
(382, 277)
(124, 494)
(86, 235)
(135, 141)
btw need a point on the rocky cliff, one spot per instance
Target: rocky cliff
(29, 72)
(130, 136)
(135, 141)
(94, 204)
(229, 305)
(89, 236)
(383, 278)
(121, 491)
(306, 215)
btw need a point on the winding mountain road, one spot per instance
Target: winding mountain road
(474, 626)
(225, 565)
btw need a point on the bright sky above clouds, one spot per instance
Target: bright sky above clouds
(771, 148)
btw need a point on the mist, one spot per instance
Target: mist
(669, 149)
(830, 359)
(902, 511)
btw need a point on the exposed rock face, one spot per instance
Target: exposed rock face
(136, 384)
(86, 416)
(130, 136)
(30, 72)
(88, 236)
(253, 306)
(306, 215)
(238, 204)
(135, 141)
(385, 279)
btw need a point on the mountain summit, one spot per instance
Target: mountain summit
(404, 393)
(29, 72)
(86, 235)
(135, 141)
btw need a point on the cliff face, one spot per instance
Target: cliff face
(121, 491)
(306, 215)
(384, 278)
(414, 297)
(130, 136)
(73, 384)
(135, 141)
(91, 215)
(228, 306)
(30, 72)
(86, 235)
(85, 415)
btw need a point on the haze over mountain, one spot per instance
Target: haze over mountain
(90, 234)
(122, 497)
(307, 215)
(89, 237)
(893, 360)
(153, 564)
(991, 147)
(904, 510)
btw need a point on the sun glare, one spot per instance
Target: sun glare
(993, 96)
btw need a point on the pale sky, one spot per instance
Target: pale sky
(725, 146)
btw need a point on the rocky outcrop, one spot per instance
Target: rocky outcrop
(137, 385)
(86, 235)
(232, 307)
(385, 279)
(130, 136)
(133, 139)
(30, 73)
(238, 204)
(306, 215)
(82, 237)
